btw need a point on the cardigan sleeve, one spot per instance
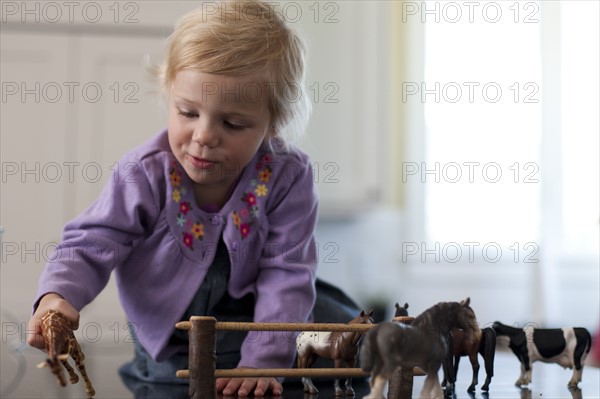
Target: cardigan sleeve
(285, 287)
(102, 237)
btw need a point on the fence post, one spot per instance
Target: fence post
(202, 357)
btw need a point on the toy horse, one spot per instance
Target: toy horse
(401, 310)
(338, 346)
(567, 347)
(459, 346)
(60, 344)
(422, 344)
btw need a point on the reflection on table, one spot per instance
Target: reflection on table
(21, 379)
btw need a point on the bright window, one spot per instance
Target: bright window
(580, 46)
(485, 147)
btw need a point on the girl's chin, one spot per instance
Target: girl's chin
(209, 178)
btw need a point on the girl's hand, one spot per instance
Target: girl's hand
(49, 301)
(246, 386)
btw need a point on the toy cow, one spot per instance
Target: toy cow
(567, 347)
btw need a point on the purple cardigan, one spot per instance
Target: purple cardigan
(147, 227)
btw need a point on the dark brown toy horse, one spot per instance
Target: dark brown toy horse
(401, 310)
(423, 344)
(458, 346)
(341, 347)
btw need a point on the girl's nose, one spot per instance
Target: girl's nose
(206, 135)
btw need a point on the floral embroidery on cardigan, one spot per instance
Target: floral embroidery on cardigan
(245, 216)
(190, 231)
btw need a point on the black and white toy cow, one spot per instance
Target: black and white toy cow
(567, 347)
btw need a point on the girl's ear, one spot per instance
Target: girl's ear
(271, 133)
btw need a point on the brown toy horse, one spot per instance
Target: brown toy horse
(459, 345)
(341, 347)
(60, 344)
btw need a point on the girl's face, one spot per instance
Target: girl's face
(216, 125)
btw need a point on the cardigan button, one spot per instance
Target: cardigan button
(215, 220)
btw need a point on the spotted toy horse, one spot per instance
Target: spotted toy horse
(422, 344)
(341, 347)
(60, 344)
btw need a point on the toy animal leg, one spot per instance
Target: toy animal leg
(338, 388)
(377, 385)
(576, 393)
(426, 388)
(486, 385)
(306, 362)
(525, 393)
(377, 367)
(58, 371)
(309, 387)
(576, 378)
(455, 369)
(527, 379)
(349, 389)
(432, 388)
(475, 366)
(89, 389)
(79, 357)
(521, 380)
(452, 375)
(73, 378)
(303, 361)
(487, 350)
(489, 371)
(448, 380)
(437, 392)
(336, 384)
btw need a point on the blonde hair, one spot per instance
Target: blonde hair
(239, 37)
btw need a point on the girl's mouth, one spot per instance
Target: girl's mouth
(201, 163)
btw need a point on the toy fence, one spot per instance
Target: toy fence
(202, 372)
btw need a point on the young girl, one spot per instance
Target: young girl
(214, 215)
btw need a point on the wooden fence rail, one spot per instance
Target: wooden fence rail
(264, 373)
(202, 372)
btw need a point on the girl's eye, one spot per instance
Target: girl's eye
(187, 114)
(233, 126)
